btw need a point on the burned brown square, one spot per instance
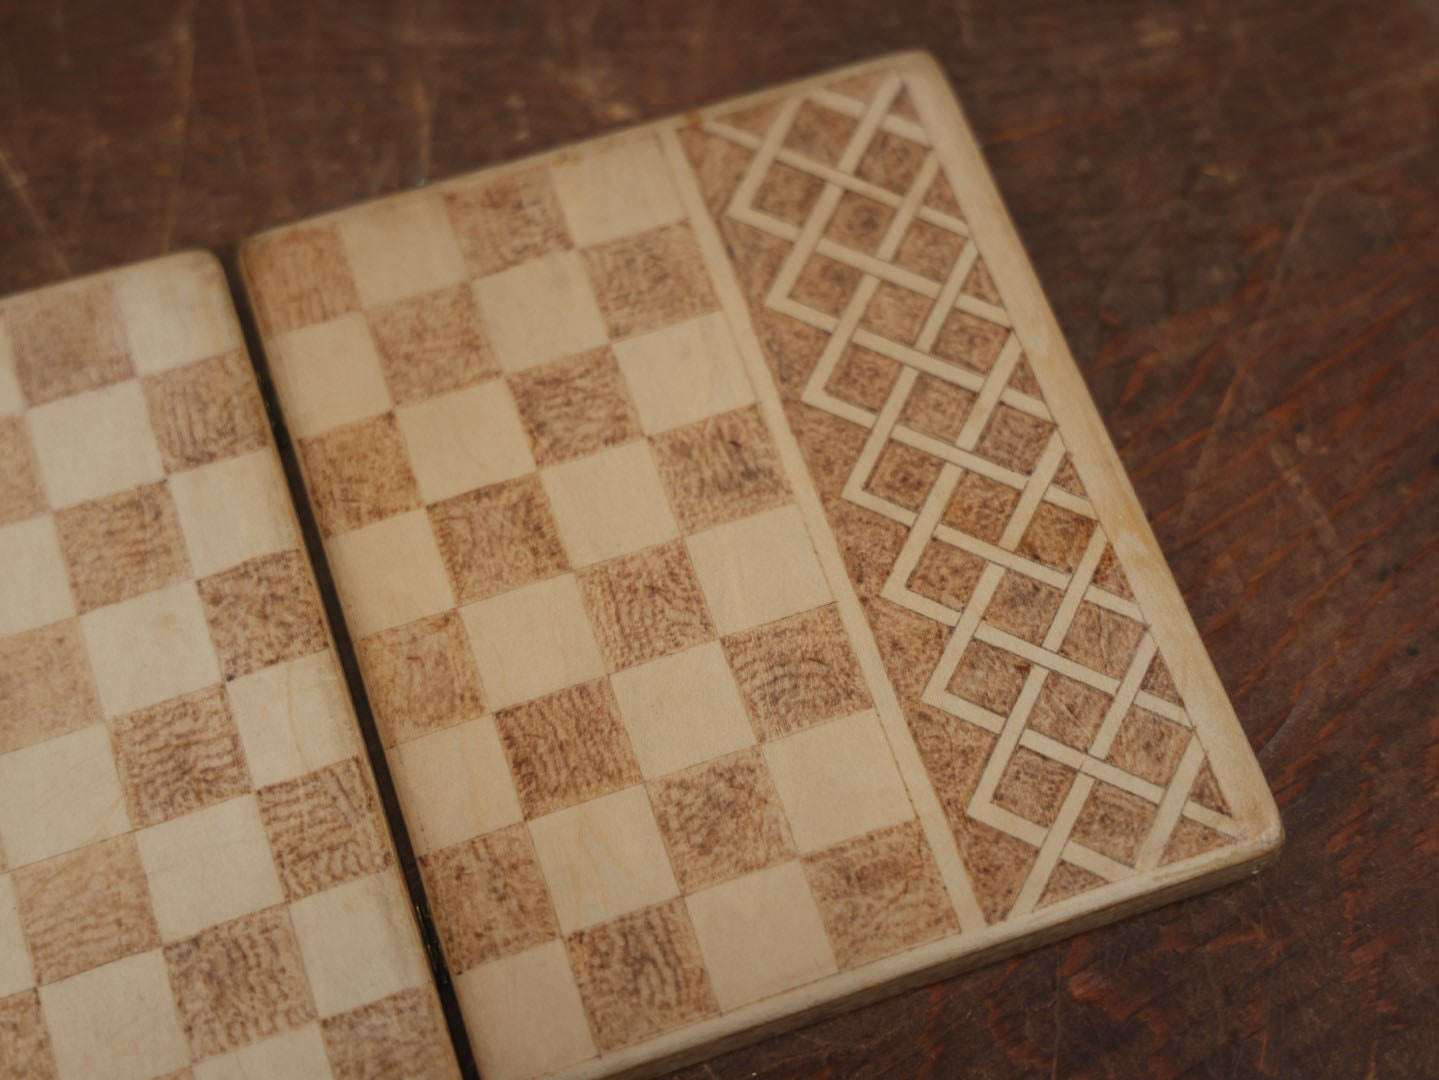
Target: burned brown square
(21, 493)
(1113, 823)
(795, 672)
(787, 193)
(1014, 439)
(421, 677)
(68, 341)
(989, 677)
(432, 344)
(262, 612)
(324, 828)
(1023, 607)
(863, 378)
(929, 250)
(721, 819)
(646, 605)
(1102, 640)
(819, 133)
(498, 538)
(1033, 786)
(122, 545)
(46, 688)
(936, 408)
(1149, 746)
(980, 507)
(306, 278)
(903, 475)
(575, 406)
(206, 411)
(858, 222)
(502, 223)
(1069, 711)
(896, 313)
(970, 341)
(489, 898)
(24, 1039)
(650, 280)
(1056, 537)
(359, 474)
(720, 468)
(567, 747)
(891, 161)
(400, 1037)
(826, 284)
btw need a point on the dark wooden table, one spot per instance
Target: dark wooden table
(1236, 213)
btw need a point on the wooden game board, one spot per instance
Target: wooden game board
(755, 611)
(195, 877)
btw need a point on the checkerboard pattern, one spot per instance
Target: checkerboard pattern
(1032, 684)
(195, 879)
(642, 765)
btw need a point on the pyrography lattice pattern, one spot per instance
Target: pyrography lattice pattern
(195, 877)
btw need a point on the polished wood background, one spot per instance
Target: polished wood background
(1235, 209)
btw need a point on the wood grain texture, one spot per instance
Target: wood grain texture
(1234, 215)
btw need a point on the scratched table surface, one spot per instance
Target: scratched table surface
(1235, 216)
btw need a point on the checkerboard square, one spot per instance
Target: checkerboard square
(23, 1036)
(609, 504)
(489, 898)
(879, 894)
(324, 828)
(640, 975)
(206, 411)
(358, 943)
(179, 756)
(575, 406)
(760, 934)
(11, 400)
(837, 781)
(293, 718)
(567, 747)
(721, 819)
(297, 1054)
(684, 372)
(617, 191)
(85, 908)
(721, 468)
(262, 612)
(455, 784)
(819, 133)
(758, 569)
(78, 764)
(234, 510)
(795, 672)
(176, 310)
(401, 247)
(421, 677)
(432, 344)
(649, 280)
(45, 685)
(519, 308)
(304, 278)
(603, 858)
(122, 545)
(208, 866)
(464, 440)
(68, 341)
(390, 573)
(402, 1035)
(359, 474)
(529, 1009)
(117, 1021)
(16, 973)
(682, 709)
(327, 375)
(239, 982)
(502, 223)
(498, 538)
(646, 605)
(34, 589)
(21, 493)
(95, 444)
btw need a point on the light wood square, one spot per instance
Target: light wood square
(455, 784)
(603, 858)
(528, 1008)
(117, 1021)
(15, 971)
(358, 942)
(522, 307)
(293, 718)
(150, 648)
(208, 867)
(616, 191)
(682, 709)
(390, 573)
(684, 372)
(758, 569)
(176, 310)
(95, 443)
(760, 934)
(401, 248)
(465, 440)
(838, 780)
(609, 503)
(234, 510)
(532, 640)
(328, 374)
(58, 795)
(298, 1054)
(34, 584)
